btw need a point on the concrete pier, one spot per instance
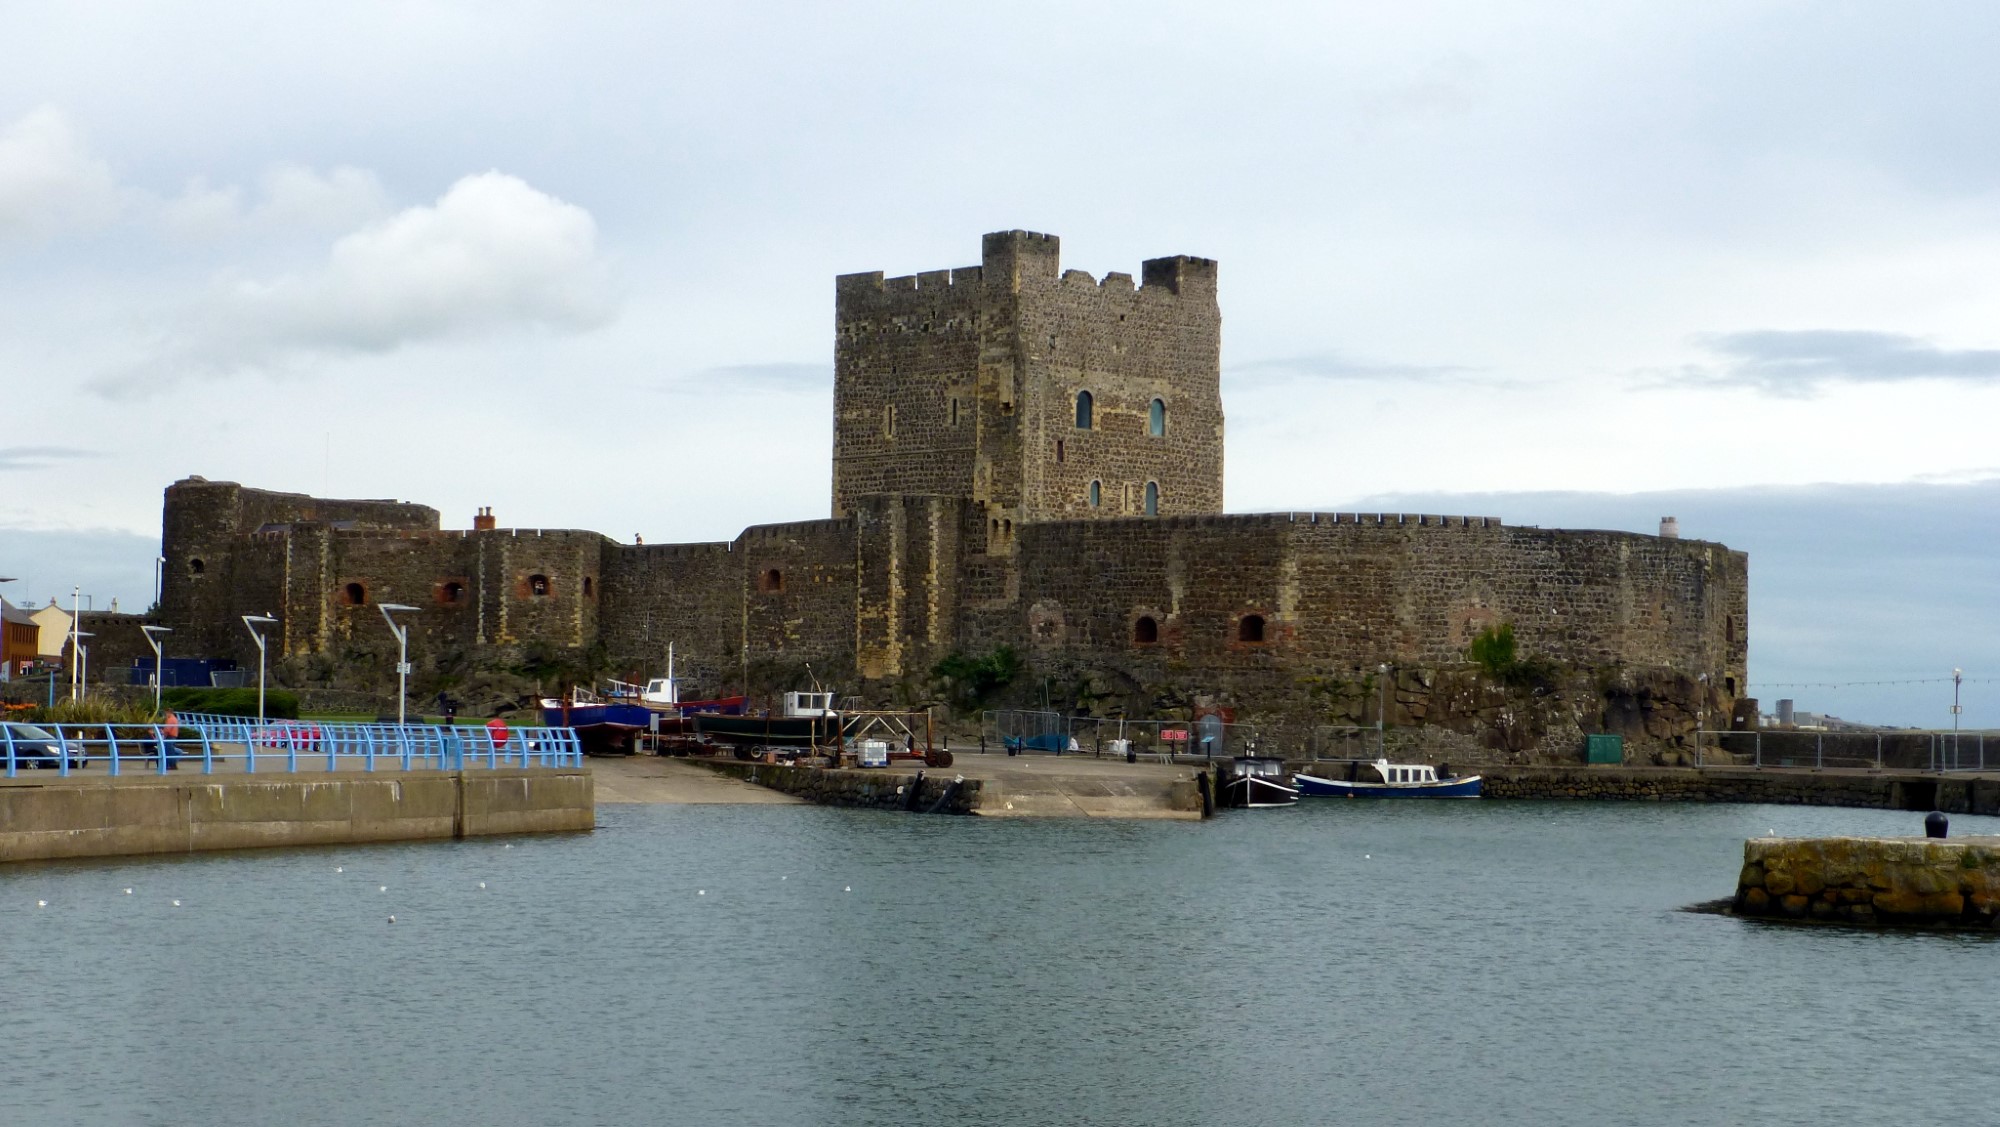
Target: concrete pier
(1935, 882)
(998, 786)
(43, 818)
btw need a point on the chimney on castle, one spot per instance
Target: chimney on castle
(482, 521)
(1670, 528)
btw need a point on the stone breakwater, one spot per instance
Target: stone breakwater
(102, 817)
(1877, 791)
(872, 790)
(1858, 880)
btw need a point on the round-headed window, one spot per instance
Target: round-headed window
(1250, 628)
(354, 595)
(538, 586)
(1152, 498)
(1096, 493)
(1156, 418)
(1146, 630)
(1084, 409)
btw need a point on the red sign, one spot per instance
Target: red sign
(1176, 734)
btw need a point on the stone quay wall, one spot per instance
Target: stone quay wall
(864, 789)
(1913, 881)
(140, 815)
(1886, 791)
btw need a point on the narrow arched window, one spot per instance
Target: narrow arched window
(1152, 498)
(354, 595)
(954, 411)
(1096, 493)
(1250, 628)
(589, 588)
(1156, 418)
(889, 421)
(1083, 410)
(771, 581)
(1059, 449)
(1146, 631)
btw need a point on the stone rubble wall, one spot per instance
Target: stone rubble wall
(1932, 882)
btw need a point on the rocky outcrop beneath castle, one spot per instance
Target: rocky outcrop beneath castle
(1875, 881)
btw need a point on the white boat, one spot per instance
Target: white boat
(1393, 780)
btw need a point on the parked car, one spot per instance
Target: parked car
(37, 747)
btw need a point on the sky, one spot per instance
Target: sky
(1572, 262)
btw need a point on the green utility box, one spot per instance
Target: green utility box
(1604, 749)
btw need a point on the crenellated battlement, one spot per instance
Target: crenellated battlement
(1012, 261)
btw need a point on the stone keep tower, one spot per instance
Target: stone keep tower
(1038, 393)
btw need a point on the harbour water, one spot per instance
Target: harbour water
(1495, 962)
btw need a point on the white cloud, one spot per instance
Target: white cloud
(290, 197)
(492, 254)
(49, 181)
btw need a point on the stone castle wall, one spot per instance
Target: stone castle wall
(963, 522)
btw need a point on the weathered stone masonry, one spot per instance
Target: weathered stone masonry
(980, 499)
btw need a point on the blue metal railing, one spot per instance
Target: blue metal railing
(283, 745)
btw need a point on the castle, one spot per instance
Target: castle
(1023, 456)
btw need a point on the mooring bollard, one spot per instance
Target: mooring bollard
(1935, 824)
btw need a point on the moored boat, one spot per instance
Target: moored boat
(1257, 781)
(1393, 780)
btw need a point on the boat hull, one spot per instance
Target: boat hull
(769, 731)
(1254, 793)
(1311, 786)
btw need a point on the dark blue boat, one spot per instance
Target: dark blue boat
(1393, 780)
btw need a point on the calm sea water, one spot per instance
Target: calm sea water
(1512, 963)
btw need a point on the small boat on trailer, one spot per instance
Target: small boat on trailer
(1394, 780)
(1255, 782)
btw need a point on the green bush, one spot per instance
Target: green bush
(278, 703)
(967, 681)
(1493, 650)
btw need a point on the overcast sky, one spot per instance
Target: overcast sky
(560, 259)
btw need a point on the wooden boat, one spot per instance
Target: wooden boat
(809, 720)
(1393, 780)
(1256, 782)
(603, 727)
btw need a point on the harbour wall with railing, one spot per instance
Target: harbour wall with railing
(226, 783)
(1955, 793)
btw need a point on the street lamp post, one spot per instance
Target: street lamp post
(1957, 676)
(402, 634)
(1700, 715)
(250, 623)
(80, 668)
(75, 623)
(159, 662)
(1382, 711)
(3, 629)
